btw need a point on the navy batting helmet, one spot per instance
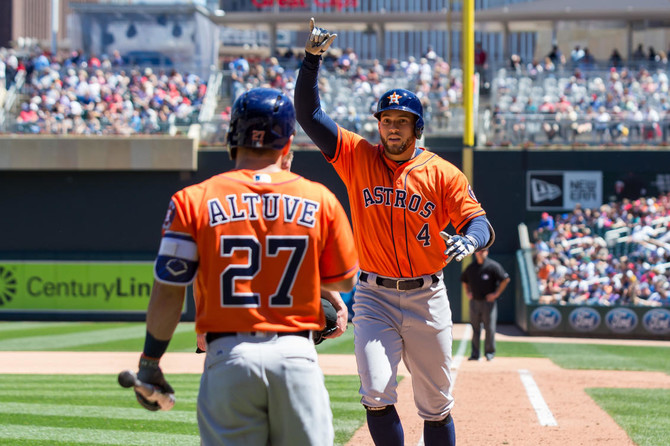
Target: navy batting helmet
(401, 99)
(261, 118)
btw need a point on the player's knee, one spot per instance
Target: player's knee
(379, 411)
(439, 423)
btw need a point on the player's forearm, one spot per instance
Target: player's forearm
(314, 121)
(334, 298)
(480, 229)
(164, 310)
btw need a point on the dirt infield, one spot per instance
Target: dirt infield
(492, 405)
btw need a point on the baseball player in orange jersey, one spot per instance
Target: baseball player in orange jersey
(263, 241)
(402, 198)
(331, 296)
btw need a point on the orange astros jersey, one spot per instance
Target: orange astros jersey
(261, 244)
(398, 210)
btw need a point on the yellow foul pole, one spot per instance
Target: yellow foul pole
(468, 57)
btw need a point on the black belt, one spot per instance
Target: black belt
(399, 284)
(213, 336)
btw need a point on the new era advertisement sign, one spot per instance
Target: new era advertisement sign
(562, 190)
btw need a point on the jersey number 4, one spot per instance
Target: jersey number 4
(273, 244)
(424, 235)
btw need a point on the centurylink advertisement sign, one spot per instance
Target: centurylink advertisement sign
(75, 286)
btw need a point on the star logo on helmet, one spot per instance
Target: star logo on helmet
(394, 98)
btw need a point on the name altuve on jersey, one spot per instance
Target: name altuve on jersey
(268, 206)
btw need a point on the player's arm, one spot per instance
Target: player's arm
(476, 234)
(317, 124)
(175, 268)
(342, 311)
(480, 229)
(163, 316)
(164, 310)
(343, 286)
(338, 261)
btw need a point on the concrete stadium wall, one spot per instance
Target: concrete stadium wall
(64, 153)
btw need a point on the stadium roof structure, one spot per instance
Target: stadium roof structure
(574, 10)
(518, 16)
(527, 16)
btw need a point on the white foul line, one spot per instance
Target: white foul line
(544, 415)
(456, 361)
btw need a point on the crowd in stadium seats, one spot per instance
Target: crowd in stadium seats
(618, 254)
(578, 101)
(563, 100)
(99, 96)
(350, 91)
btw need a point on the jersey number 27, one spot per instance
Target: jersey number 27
(297, 245)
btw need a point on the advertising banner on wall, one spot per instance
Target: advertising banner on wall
(75, 286)
(562, 190)
(598, 321)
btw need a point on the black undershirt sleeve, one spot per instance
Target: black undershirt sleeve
(314, 121)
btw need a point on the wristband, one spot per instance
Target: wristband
(154, 348)
(473, 241)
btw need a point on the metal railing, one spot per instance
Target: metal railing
(511, 129)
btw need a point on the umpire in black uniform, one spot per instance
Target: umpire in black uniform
(484, 279)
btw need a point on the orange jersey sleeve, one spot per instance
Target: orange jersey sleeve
(398, 210)
(264, 244)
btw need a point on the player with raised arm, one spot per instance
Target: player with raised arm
(402, 199)
(263, 242)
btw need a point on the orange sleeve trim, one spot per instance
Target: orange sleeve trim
(338, 149)
(345, 275)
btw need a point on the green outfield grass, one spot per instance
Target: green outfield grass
(642, 413)
(592, 356)
(95, 410)
(69, 410)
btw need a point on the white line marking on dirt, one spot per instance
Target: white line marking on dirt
(544, 415)
(456, 361)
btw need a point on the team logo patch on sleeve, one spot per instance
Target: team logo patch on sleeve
(177, 260)
(472, 193)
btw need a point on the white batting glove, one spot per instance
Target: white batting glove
(319, 39)
(458, 247)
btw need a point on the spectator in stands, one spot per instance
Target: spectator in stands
(556, 56)
(239, 66)
(551, 129)
(348, 59)
(548, 66)
(391, 65)
(587, 61)
(481, 64)
(615, 58)
(576, 54)
(516, 63)
(574, 265)
(411, 68)
(638, 54)
(430, 54)
(602, 124)
(28, 113)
